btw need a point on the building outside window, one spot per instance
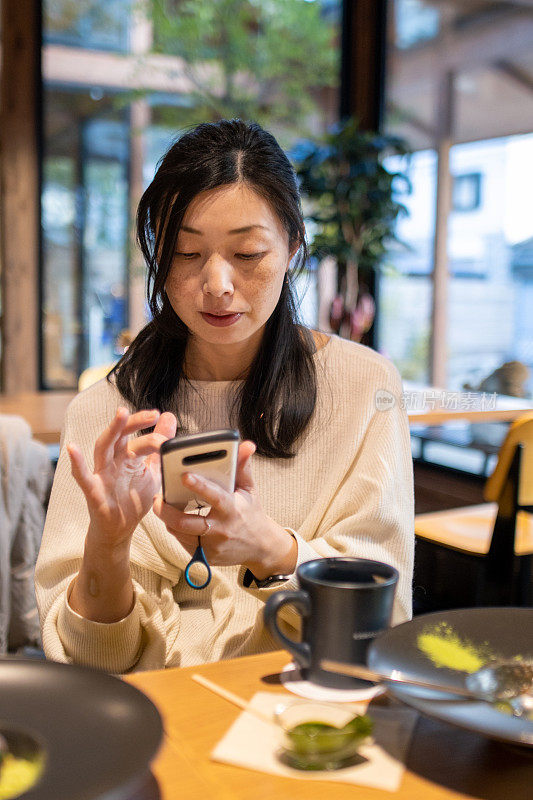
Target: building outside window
(459, 88)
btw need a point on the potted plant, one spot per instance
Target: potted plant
(352, 201)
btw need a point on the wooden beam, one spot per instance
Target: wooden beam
(466, 50)
(439, 315)
(19, 192)
(517, 75)
(407, 116)
(154, 72)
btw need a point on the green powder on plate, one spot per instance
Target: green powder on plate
(445, 648)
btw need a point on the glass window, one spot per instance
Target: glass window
(90, 24)
(404, 316)
(466, 192)
(415, 22)
(488, 223)
(84, 226)
(251, 60)
(108, 121)
(491, 285)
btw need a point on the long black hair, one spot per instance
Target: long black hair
(278, 396)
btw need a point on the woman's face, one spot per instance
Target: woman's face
(227, 274)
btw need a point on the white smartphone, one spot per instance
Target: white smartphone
(212, 455)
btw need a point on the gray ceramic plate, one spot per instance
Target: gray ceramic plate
(502, 632)
(99, 733)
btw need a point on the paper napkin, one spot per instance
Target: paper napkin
(254, 744)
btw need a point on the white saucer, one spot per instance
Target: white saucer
(292, 680)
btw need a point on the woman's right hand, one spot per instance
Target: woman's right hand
(127, 474)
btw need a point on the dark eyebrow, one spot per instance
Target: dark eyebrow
(247, 228)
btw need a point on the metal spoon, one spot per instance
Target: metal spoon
(498, 680)
(509, 681)
(522, 706)
(501, 680)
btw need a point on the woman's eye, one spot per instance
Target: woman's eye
(249, 256)
(186, 255)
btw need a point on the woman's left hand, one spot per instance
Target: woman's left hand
(240, 531)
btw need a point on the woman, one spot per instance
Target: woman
(321, 470)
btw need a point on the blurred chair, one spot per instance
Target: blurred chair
(92, 375)
(25, 479)
(483, 555)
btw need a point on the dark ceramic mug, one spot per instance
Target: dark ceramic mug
(345, 603)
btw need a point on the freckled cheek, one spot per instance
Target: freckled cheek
(273, 283)
(264, 283)
(181, 285)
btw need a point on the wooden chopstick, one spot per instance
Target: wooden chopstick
(231, 697)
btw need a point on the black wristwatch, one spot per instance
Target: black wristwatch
(250, 578)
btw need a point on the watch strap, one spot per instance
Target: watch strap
(249, 578)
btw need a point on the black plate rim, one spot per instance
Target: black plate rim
(412, 698)
(153, 730)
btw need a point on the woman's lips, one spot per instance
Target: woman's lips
(221, 321)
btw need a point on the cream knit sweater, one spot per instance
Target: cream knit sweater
(348, 491)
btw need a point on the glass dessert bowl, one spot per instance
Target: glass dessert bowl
(319, 736)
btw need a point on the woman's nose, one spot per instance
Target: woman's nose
(217, 277)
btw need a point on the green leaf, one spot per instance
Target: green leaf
(344, 180)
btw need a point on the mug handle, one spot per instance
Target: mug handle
(300, 650)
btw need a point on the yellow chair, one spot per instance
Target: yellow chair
(92, 375)
(483, 554)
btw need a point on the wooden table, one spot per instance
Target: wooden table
(43, 411)
(444, 763)
(428, 405)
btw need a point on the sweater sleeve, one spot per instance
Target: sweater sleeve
(137, 641)
(372, 512)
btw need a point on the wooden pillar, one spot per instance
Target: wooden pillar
(363, 61)
(19, 193)
(364, 28)
(140, 119)
(140, 116)
(439, 314)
